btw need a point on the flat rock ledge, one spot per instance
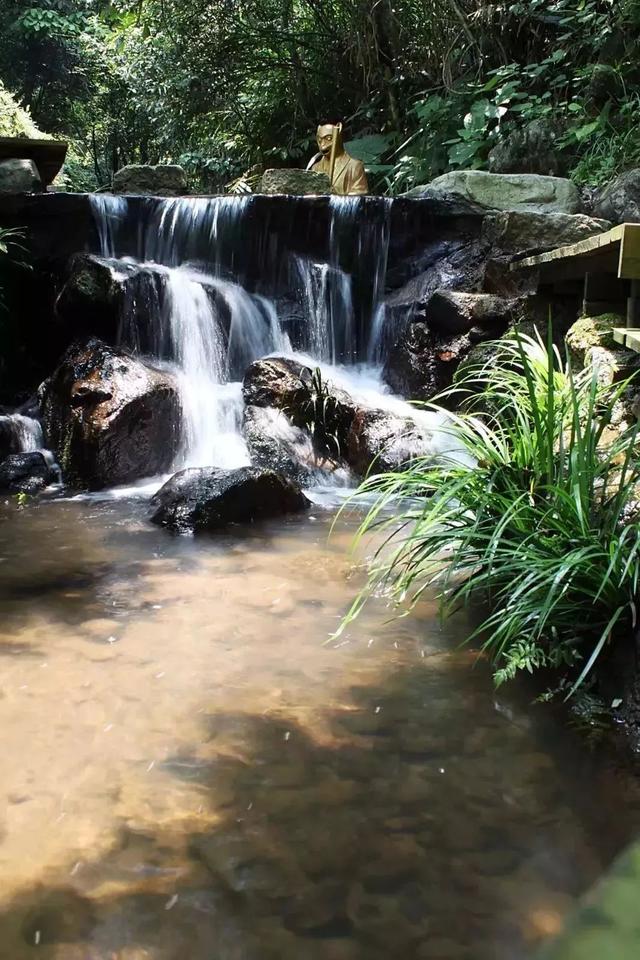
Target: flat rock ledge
(207, 498)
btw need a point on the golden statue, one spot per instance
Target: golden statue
(346, 174)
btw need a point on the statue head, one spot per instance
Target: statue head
(324, 138)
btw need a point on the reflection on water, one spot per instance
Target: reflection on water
(190, 773)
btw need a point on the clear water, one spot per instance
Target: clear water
(191, 770)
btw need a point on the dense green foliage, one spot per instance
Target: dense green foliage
(423, 85)
(529, 522)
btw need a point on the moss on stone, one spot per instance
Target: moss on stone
(14, 120)
(589, 332)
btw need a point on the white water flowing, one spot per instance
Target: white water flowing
(211, 328)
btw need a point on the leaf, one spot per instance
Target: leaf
(369, 149)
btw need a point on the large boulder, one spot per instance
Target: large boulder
(506, 191)
(298, 182)
(380, 441)
(162, 180)
(453, 312)
(109, 416)
(518, 231)
(529, 149)
(98, 289)
(206, 498)
(276, 382)
(19, 176)
(619, 201)
(26, 472)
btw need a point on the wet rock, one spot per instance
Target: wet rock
(162, 180)
(451, 312)
(19, 176)
(208, 499)
(519, 231)
(276, 382)
(274, 443)
(110, 417)
(294, 181)
(424, 362)
(506, 191)
(26, 473)
(380, 442)
(619, 201)
(95, 288)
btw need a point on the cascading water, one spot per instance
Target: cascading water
(205, 316)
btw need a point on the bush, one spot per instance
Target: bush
(532, 522)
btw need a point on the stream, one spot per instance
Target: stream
(193, 767)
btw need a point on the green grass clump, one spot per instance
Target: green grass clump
(535, 525)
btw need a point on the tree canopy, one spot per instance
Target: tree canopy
(423, 85)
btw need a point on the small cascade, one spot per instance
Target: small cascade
(197, 299)
(20, 434)
(109, 212)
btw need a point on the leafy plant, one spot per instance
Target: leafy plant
(320, 414)
(528, 515)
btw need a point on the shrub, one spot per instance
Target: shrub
(531, 521)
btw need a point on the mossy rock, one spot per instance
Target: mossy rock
(589, 332)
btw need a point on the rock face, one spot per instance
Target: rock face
(505, 191)
(19, 176)
(163, 180)
(205, 498)
(25, 473)
(299, 182)
(481, 315)
(619, 201)
(518, 231)
(110, 417)
(424, 360)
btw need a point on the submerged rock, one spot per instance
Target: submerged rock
(110, 417)
(506, 191)
(26, 472)
(206, 498)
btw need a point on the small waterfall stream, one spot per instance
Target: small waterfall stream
(210, 321)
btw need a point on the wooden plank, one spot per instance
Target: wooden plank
(627, 337)
(583, 248)
(629, 263)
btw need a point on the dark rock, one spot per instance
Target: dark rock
(530, 149)
(25, 473)
(110, 417)
(19, 176)
(205, 498)
(520, 231)
(95, 288)
(294, 181)
(423, 362)
(275, 443)
(379, 441)
(163, 180)
(452, 312)
(276, 382)
(619, 201)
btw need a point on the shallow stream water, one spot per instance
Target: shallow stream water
(190, 771)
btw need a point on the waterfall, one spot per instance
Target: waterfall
(20, 434)
(194, 302)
